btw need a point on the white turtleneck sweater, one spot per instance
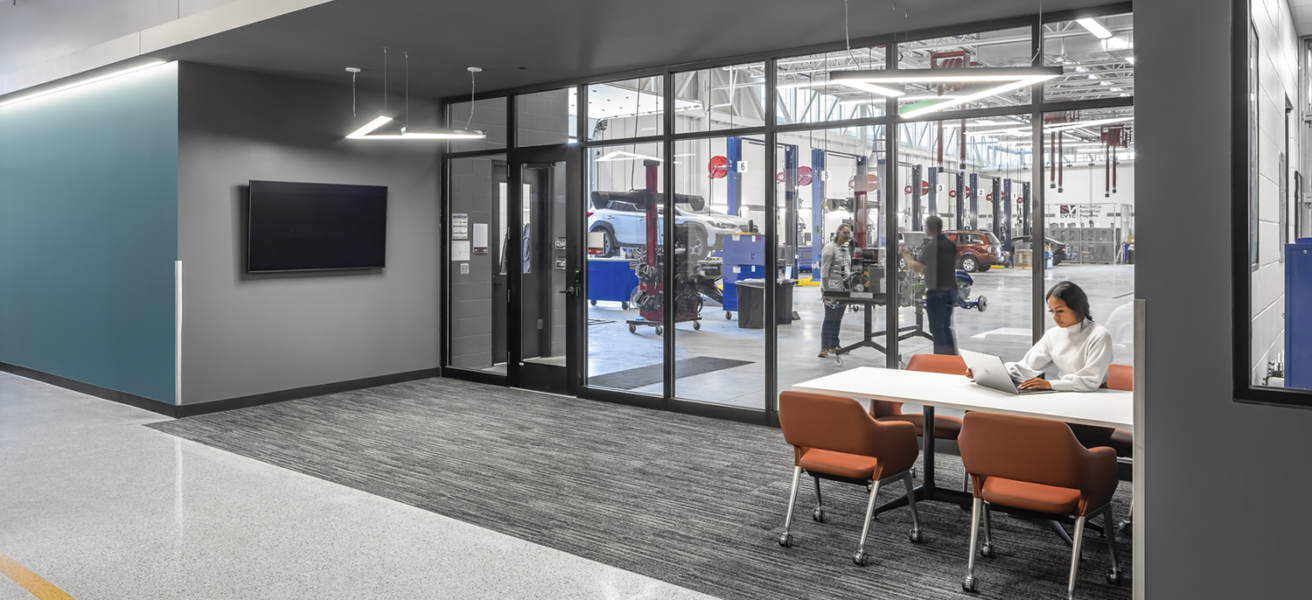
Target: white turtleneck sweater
(1081, 352)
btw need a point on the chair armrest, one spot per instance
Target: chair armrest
(1098, 476)
(897, 448)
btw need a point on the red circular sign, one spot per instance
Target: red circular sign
(779, 177)
(719, 167)
(871, 178)
(924, 188)
(952, 193)
(804, 176)
(907, 190)
(989, 197)
(967, 190)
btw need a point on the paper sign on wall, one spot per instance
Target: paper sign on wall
(460, 226)
(459, 251)
(480, 238)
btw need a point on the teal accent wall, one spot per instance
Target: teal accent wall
(89, 233)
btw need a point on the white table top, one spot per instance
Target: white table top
(1103, 408)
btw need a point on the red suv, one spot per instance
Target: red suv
(976, 250)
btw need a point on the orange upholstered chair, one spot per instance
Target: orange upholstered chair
(834, 438)
(1036, 466)
(1121, 377)
(945, 428)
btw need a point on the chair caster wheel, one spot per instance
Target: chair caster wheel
(786, 540)
(660, 330)
(728, 316)
(986, 551)
(818, 514)
(697, 325)
(633, 328)
(1113, 577)
(968, 584)
(914, 536)
(861, 558)
(870, 487)
(1125, 527)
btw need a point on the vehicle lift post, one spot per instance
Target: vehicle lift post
(974, 202)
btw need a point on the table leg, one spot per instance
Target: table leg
(929, 450)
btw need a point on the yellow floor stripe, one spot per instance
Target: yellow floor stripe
(33, 583)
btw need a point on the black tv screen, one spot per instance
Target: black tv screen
(316, 227)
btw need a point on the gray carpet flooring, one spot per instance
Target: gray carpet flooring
(688, 500)
(630, 379)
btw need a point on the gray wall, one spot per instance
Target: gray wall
(1226, 484)
(472, 308)
(244, 335)
(36, 31)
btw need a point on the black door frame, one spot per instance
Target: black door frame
(539, 377)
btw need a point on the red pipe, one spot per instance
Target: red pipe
(653, 212)
(1052, 156)
(1107, 159)
(1061, 159)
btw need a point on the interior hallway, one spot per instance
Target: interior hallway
(105, 508)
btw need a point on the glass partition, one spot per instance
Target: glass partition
(488, 116)
(625, 207)
(479, 284)
(990, 49)
(629, 109)
(1089, 213)
(1097, 55)
(720, 271)
(830, 181)
(805, 94)
(730, 97)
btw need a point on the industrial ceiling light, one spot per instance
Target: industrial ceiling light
(82, 83)
(993, 81)
(620, 155)
(1095, 28)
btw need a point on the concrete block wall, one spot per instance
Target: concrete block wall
(1278, 69)
(471, 293)
(489, 116)
(543, 118)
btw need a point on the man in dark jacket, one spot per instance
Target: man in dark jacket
(938, 263)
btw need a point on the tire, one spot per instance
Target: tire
(697, 244)
(633, 328)
(611, 247)
(970, 264)
(592, 302)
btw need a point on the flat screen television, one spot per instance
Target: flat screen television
(315, 227)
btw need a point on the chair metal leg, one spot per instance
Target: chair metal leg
(1127, 525)
(1114, 575)
(861, 558)
(976, 508)
(911, 501)
(786, 539)
(1076, 541)
(987, 550)
(819, 513)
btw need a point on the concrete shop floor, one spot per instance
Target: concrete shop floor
(1003, 329)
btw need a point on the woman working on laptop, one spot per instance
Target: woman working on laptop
(1079, 348)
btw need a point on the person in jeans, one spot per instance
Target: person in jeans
(938, 263)
(835, 264)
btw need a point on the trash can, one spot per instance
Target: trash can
(751, 303)
(1047, 260)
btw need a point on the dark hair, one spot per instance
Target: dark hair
(1073, 296)
(934, 224)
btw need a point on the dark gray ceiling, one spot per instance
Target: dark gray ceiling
(556, 40)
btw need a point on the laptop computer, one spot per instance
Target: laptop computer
(991, 373)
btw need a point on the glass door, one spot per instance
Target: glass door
(545, 272)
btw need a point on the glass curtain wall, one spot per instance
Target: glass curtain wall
(1089, 213)
(720, 270)
(827, 180)
(628, 109)
(731, 97)
(488, 116)
(625, 212)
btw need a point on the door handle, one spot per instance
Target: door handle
(570, 291)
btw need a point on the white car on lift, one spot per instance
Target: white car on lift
(622, 217)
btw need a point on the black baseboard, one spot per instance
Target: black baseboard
(204, 408)
(191, 410)
(141, 402)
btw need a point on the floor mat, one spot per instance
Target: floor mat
(688, 500)
(632, 379)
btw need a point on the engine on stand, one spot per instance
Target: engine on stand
(688, 278)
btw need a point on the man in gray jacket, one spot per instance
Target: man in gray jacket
(835, 265)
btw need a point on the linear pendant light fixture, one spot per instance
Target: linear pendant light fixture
(988, 82)
(384, 118)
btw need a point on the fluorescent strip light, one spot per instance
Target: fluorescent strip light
(1095, 28)
(620, 155)
(82, 83)
(1130, 59)
(378, 121)
(453, 134)
(976, 96)
(874, 89)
